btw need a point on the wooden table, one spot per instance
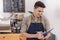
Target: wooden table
(11, 37)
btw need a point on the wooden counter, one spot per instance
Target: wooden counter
(11, 37)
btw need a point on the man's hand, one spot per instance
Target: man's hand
(40, 35)
(48, 36)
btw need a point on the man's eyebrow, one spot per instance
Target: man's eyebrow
(41, 11)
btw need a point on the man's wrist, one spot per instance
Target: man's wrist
(36, 35)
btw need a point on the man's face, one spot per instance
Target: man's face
(38, 11)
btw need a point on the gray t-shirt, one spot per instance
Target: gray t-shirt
(27, 21)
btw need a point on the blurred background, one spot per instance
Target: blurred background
(52, 12)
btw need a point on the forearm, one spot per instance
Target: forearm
(30, 35)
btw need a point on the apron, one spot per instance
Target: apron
(34, 28)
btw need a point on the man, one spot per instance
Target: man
(34, 25)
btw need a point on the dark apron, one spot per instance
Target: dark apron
(34, 28)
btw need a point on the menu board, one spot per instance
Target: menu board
(14, 5)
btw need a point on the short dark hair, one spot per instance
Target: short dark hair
(39, 4)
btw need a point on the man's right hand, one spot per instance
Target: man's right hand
(40, 35)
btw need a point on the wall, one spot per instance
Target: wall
(52, 12)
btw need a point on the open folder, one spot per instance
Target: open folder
(46, 32)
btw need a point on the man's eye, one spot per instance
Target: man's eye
(39, 11)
